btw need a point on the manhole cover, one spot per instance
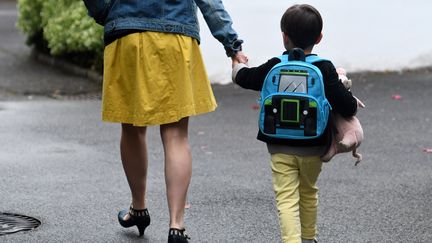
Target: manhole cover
(13, 223)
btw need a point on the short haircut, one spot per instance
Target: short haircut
(303, 25)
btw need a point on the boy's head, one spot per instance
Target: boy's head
(301, 25)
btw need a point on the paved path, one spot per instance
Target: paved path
(22, 75)
(60, 163)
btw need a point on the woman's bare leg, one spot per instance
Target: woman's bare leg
(134, 158)
(178, 168)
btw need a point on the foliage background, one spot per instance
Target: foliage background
(63, 29)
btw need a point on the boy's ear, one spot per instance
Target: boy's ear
(286, 41)
(319, 39)
(285, 38)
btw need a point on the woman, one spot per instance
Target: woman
(154, 75)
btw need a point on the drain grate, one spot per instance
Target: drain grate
(13, 223)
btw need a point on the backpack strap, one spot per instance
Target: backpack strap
(314, 58)
(296, 54)
(283, 58)
(310, 58)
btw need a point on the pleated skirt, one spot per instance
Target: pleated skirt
(153, 78)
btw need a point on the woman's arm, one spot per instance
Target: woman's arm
(220, 25)
(98, 9)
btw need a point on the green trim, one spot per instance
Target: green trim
(297, 102)
(313, 104)
(268, 102)
(295, 73)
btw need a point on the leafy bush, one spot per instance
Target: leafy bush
(63, 28)
(30, 20)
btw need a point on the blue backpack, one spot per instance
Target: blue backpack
(293, 102)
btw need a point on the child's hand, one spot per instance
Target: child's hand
(240, 57)
(234, 63)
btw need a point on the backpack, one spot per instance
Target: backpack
(293, 102)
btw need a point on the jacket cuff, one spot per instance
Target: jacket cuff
(236, 69)
(235, 47)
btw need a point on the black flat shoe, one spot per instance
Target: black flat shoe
(177, 236)
(138, 218)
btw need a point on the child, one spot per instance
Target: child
(296, 164)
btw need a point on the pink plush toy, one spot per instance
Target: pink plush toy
(347, 133)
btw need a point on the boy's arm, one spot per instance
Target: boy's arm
(252, 78)
(341, 100)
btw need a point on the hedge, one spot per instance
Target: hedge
(62, 28)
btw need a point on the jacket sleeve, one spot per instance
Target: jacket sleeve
(341, 100)
(220, 24)
(98, 9)
(252, 78)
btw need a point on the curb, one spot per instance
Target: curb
(67, 67)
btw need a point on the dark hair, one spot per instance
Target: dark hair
(303, 25)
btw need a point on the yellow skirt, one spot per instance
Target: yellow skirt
(153, 78)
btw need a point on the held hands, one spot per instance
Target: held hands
(240, 57)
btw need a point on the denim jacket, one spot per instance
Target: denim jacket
(172, 16)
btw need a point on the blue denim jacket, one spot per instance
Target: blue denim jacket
(172, 16)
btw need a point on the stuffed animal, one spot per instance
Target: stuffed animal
(343, 78)
(347, 133)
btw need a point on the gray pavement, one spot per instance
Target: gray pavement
(22, 75)
(60, 163)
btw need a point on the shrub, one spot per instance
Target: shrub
(30, 20)
(63, 28)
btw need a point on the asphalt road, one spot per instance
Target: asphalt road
(60, 163)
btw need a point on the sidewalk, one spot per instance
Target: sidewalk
(61, 164)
